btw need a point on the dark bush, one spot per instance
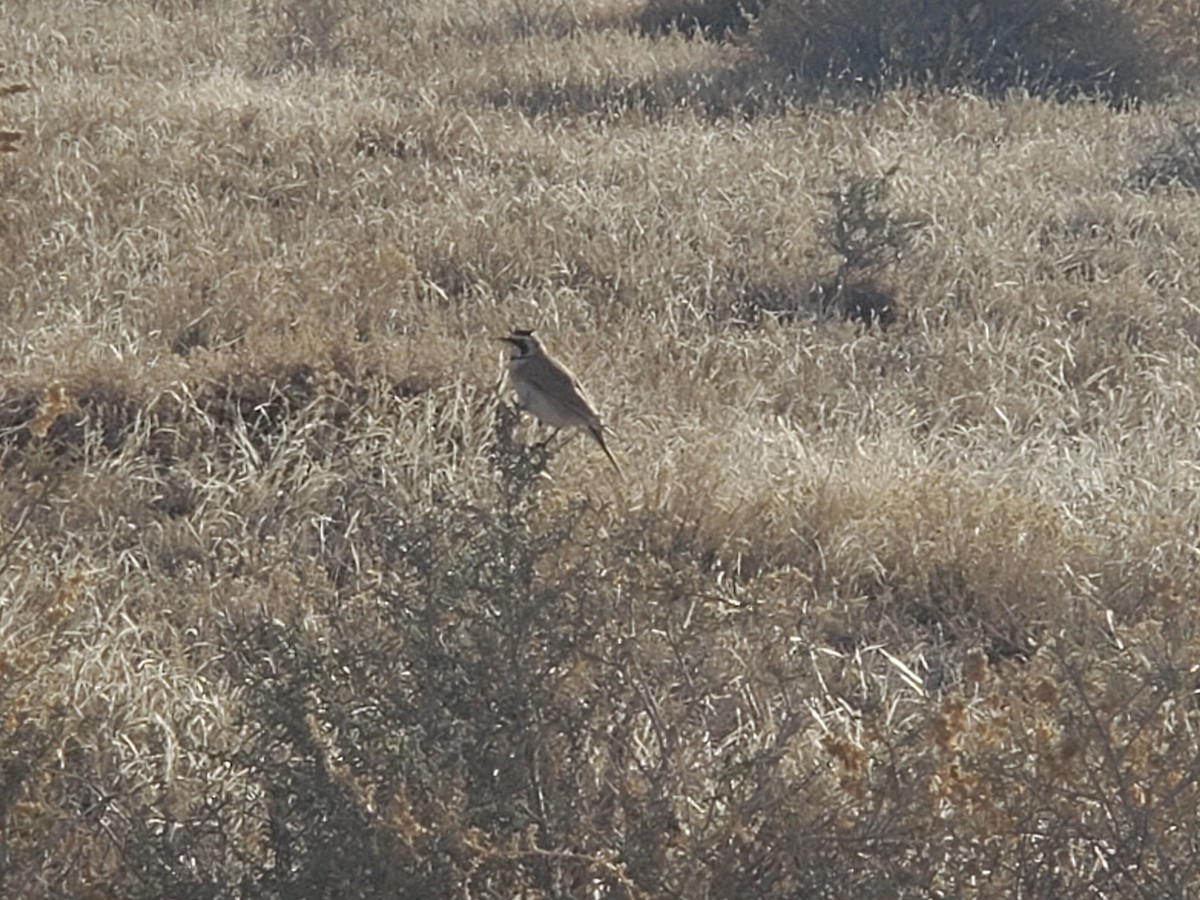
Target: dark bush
(715, 18)
(1057, 48)
(866, 238)
(1175, 160)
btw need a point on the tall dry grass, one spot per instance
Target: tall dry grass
(290, 606)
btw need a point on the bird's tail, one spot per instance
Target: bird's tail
(598, 434)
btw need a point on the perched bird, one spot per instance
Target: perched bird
(548, 390)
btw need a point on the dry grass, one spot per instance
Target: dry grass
(288, 607)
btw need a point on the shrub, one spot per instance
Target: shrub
(1176, 160)
(1056, 48)
(866, 238)
(717, 18)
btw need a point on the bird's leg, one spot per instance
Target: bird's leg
(546, 443)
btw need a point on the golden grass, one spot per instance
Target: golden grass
(283, 607)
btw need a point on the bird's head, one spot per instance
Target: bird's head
(523, 342)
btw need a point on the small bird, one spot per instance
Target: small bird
(548, 390)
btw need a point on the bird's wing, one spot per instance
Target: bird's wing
(553, 379)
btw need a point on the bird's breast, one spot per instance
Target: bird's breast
(545, 407)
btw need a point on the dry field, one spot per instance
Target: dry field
(291, 607)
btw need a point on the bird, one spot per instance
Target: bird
(546, 388)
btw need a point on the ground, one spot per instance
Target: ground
(291, 605)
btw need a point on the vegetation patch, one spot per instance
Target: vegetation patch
(1174, 161)
(711, 18)
(1059, 49)
(866, 238)
(295, 602)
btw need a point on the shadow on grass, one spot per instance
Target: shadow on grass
(713, 93)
